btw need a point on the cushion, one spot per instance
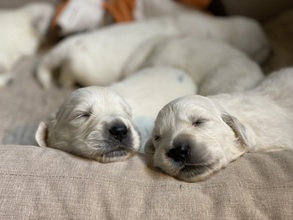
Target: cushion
(44, 183)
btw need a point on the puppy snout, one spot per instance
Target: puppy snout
(179, 152)
(119, 131)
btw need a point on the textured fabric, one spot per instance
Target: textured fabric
(43, 183)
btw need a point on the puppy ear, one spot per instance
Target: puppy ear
(238, 128)
(42, 134)
(149, 147)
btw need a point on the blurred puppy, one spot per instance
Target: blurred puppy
(97, 58)
(145, 9)
(215, 66)
(196, 136)
(21, 32)
(108, 124)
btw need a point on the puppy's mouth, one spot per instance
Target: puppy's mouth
(108, 150)
(194, 170)
(119, 152)
(197, 172)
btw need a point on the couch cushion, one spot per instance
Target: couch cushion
(43, 183)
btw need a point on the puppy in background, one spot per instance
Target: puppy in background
(215, 66)
(195, 136)
(110, 124)
(98, 57)
(21, 32)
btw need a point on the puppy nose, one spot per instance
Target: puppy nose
(179, 152)
(119, 131)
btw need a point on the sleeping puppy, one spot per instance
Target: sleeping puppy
(108, 124)
(215, 66)
(21, 32)
(196, 136)
(98, 57)
(146, 9)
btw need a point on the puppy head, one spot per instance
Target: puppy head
(94, 123)
(194, 138)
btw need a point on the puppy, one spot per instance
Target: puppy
(21, 32)
(215, 66)
(145, 9)
(108, 124)
(196, 136)
(98, 57)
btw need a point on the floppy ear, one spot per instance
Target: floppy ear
(42, 134)
(149, 147)
(238, 128)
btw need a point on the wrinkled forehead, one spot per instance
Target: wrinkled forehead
(100, 100)
(186, 108)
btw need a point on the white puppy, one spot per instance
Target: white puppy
(145, 9)
(196, 136)
(215, 66)
(101, 123)
(98, 57)
(21, 32)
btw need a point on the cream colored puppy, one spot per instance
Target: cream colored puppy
(145, 9)
(109, 124)
(21, 32)
(215, 66)
(98, 57)
(196, 136)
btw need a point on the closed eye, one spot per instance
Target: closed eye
(84, 115)
(199, 122)
(157, 137)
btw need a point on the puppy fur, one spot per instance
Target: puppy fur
(21, 32)
(215, 66)
(196, 136)
(109, 124)
(146, 9)
(98, 57)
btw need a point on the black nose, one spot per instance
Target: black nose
(179, 152)
(119, 131)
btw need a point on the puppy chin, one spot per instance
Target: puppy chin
(116, 155)
(198, 173)
(192, 173)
